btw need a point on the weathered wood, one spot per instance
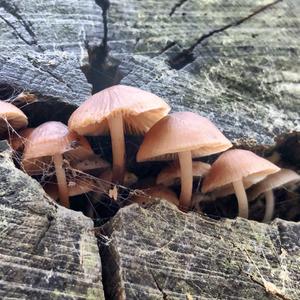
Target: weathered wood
(158, 252)
(44, 45)
(46, 251)
(232, 61)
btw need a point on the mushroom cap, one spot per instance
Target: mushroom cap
(182, 131)
(153, 193)
(273, 181)
(18, 140)
(49, 139)
(234, 165)
(12, 115)
(140, 110)
(169, 174)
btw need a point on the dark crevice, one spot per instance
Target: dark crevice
(14, 11)
(8, 91)
(46, 70)
(164, 295)
(177, 5)
(50, 220)
(167, 47)
(102, 71)
(187, 56)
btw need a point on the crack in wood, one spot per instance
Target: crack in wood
(186, 56)
(50, 221)
(165, 296)
(176, 6)
(167, 47)
(102, 71)
(14, 11)
(104, 4)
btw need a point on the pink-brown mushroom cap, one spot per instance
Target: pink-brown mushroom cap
(234, 165)
(273, 181)
(12, 115)
(140, 110)
(49, 139)
(179, 132)
(18, 140)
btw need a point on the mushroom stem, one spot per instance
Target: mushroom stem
(186, 169)
(270, 203)
(61, 180)
(116, 128)
(242, 198)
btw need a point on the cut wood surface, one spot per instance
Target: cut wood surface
(236, 62)
(46, 251)
(158, 252)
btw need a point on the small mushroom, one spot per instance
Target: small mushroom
(153, 193)
(12, 116)
(79, 155)
(170, 174)
(284, 176)
(182, 136)
(52, 139)
(118, 109)
(18, 140)
(233, 171)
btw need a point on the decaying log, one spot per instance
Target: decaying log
(232, 61)
(235, 62)
(46, 251)
(157, 252)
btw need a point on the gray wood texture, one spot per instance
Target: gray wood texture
(157, 252)
(235, 62)
(46, 251)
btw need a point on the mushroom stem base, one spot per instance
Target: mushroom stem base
(269, 197)
(186, 169)
(61, 180)
(242, 198)
(116, 128)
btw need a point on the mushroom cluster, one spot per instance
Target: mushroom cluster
(180, 138)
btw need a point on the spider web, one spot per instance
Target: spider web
(101, 194)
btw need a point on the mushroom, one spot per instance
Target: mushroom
(118, 109)
(170, 174)
(18, 139)
(284, 176)
(153, 193)
(234, 171)
(52, 139)
(12, 116)
(80, 156)
(182, 136)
